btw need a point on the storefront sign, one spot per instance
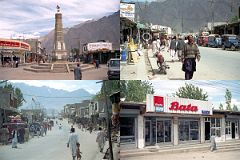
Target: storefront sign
(127, 10)
(14, 44)
(99, 46)
(177, 105)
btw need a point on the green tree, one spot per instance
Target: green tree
(110, 87)
(228, 98)
(137, 90)
(192, 92)
(235, 108)
(234, 19)
(221, 106)
(17, 92)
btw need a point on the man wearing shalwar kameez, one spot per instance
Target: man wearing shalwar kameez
(101, 139)
(14, 140)
(72, 143)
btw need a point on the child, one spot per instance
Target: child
(79, 156)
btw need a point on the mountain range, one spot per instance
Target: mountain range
(106, 28)
(50, 98)
(194, 13)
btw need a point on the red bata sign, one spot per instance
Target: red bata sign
(177, 105)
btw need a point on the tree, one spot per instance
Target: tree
(136, 90)
(228, 98)
(17, 92)
(192, 92)
(235, 108)
(221, 106)
(110, 86)
(234, 19)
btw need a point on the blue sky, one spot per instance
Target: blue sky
(215, 89)
(31, 18)
(89, 85)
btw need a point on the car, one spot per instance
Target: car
(230, 41)
(214, 40)
(113, 68)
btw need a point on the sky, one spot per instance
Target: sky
(31, 19)
(215, 89)
(89, 85)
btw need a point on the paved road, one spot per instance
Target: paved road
(207, 155)
(20, 74)
(215, 64)
(53, 147)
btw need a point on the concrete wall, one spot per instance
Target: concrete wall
(140, 127)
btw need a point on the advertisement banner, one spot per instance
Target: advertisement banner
(99, 46)
(157, 103)
(127, 10)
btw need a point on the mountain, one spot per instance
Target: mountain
(106, 28)
(195, 13)
(47, 93)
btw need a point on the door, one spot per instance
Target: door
(233, 130)
(147, 132)
(207, 131)
(163, 131)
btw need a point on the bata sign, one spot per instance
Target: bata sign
(178, 105)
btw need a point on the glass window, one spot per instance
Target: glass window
(194, 135)
(188, 130)
(194, 125)
(127, 129)
(218, 132)
(218, 122)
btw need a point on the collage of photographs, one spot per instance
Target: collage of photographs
(120, 80)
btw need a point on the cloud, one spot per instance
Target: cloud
(34, 16)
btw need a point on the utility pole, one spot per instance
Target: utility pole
(212, 14)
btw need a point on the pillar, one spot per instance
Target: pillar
(140, 128)
(202, 130)
(223, 126)
(175, 131)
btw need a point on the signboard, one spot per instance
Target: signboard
(99, 46)
(177, 105)
(127, 10)
(11, 44)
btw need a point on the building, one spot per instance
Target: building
(173, 121)
(8, 105)
(36, 50)
(13, 50)
(229, 28)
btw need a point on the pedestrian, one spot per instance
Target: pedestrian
(101, 138)
(180, 46)
(14, 139)
(38, 131)
(77, 72)
(154, 46)
(173, 48)
(189, 56)
(73, 140)
(45, 128)
(97, 63)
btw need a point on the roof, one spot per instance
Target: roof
(226, 112)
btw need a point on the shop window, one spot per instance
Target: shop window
(228, 128)
(188, 130)
(216, 127)
(127, 129)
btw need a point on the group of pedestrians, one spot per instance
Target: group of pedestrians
(182, 49)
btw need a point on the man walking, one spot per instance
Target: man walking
(77, 72)
(101, 136)
(73, 141)
(180, 46)
(189, 56)
(173, 48)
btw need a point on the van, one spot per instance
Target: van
(113, 69)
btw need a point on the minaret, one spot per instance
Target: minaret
(59, 50)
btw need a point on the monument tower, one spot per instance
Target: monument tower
(59, 50)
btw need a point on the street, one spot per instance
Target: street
(19, 73)
(53, 146)
(203, 155)
(215, 64)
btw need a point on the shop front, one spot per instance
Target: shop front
(172, 121)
